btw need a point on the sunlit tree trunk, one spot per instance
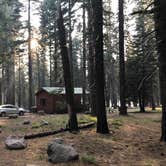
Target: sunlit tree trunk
(38, 70)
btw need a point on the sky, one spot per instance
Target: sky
(129, 4)
(35, 19)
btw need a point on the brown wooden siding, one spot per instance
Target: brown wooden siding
(47, 102)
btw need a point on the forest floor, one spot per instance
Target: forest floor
(133, 141)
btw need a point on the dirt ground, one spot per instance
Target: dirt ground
(133, 141)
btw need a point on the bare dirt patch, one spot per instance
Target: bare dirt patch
(3, 122)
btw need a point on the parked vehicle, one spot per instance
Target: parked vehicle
(11, 109)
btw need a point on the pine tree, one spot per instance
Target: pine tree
(9, 27)
(102, 126)
(73, 125)
(122, 108)
(160, 27)
(142, 61)
(110, 54)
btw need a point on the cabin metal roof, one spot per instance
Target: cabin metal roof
(59, 90)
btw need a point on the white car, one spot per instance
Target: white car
(11, 109)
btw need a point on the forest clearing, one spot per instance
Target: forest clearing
(66, 65)
(133, 140)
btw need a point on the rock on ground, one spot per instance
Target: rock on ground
(58, 152)
(15, 143)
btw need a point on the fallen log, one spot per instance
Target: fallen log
(44, 134)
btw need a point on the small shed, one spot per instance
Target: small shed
(50, 99)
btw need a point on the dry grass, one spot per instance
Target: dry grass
(133, 140)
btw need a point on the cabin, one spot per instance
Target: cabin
(52, 99)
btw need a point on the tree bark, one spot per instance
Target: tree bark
(141, 101)
(108, 90)
(55, 57)
(102, 126)
(160, 27)
(91, 66)
(70, 41)
(51, 59)
(122, 108)
(153, 105)
(73, 125)
(19, 82)
(29, 54)
(38, 70)
(84, 58)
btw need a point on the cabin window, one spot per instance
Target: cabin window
(42, 102)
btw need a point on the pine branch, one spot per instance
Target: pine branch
(147, 77)
(143, 12)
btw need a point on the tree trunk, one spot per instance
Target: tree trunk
(160, 27)
(43, 68)
(91, 67)
(84, 58)
(19, 82)
(55, 57)
(141, 101)
(12, 79)
(113, 88)
(122, 108)
(108, 89)
(50, 55)
(70, 41)
(38, 70)
(153, 105)
(73, 125)
(29, 54)
(102, 126)
(135, 104)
